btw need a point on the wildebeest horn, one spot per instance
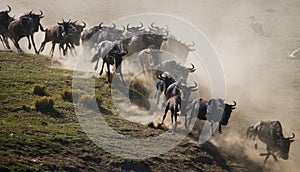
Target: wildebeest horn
(141, 25)
(234, 103)
(191, 45)
(152, 25)
(290, 138)
(161, 77)
(30, 12)
(84, 24)
(63, 20)
(192, 69)
(194, 86)
(123, 28)
(114, 26)
(127, 27)
(9, 9)
(69, 21)
(167, 28)
(41, 13)
(100, 25)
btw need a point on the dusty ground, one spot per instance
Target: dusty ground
(259, 74)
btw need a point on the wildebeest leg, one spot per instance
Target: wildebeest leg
(266, 154)
(29, 44)
(6, 43)
(191, 116)
(175, 126)
(211, 128)
(52, 49)
(32, 40)
(220, 128)
(17, 45)
(166, 111)
(2, 40)
(121, 75)
(101, 71)
(108, 73)
(42, 46)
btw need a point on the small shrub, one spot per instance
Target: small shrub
(43, 104)
(39, 89)
(68, 94)
(139, 86)
(88, 101)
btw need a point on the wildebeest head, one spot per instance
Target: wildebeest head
(32, 21)
(135, 30)
(284, 144)
(66, 27)
(187, 90)
(75, 38)
(159, 30)
(227, 112)
(5, 19)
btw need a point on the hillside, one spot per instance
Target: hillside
(54, 140)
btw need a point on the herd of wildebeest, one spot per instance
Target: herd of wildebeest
(111, 45)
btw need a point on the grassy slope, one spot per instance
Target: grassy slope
(55, 140)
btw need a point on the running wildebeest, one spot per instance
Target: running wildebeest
(174, 105)
(57, 35)
(111, 55)
(73, 39)
(270, 132)
(25, 26)
(5, 20)
(214, 110)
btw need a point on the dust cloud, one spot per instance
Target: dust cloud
(260, 76)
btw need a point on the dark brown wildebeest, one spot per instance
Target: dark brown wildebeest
(174, 105)
(57, 35)
(5, 20)
(214, 110)
(110, 54)
(89, 37)
(73, 39)
(25, 26)
(140, 42)
(133, 31)
(270, 132)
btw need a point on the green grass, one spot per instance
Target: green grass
(53, 140)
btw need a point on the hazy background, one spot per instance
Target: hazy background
(259, 74)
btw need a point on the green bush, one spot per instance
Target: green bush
(68, 94)
(44, 104)
(88, 101)
(139, 86)
(40, 89)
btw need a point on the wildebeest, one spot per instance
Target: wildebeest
(111, 55)
(214, 110)
(139, 42)
(107, 33)
(25, 26)
(175, 68)
(73, 39)
(158, 30)
(164, 80)
(89, 37)
(149, 57)
(5, 20)
(180, 88)
(270, 132)
(133, 31)
(178, 48)
(174, 105)
(57, 35)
